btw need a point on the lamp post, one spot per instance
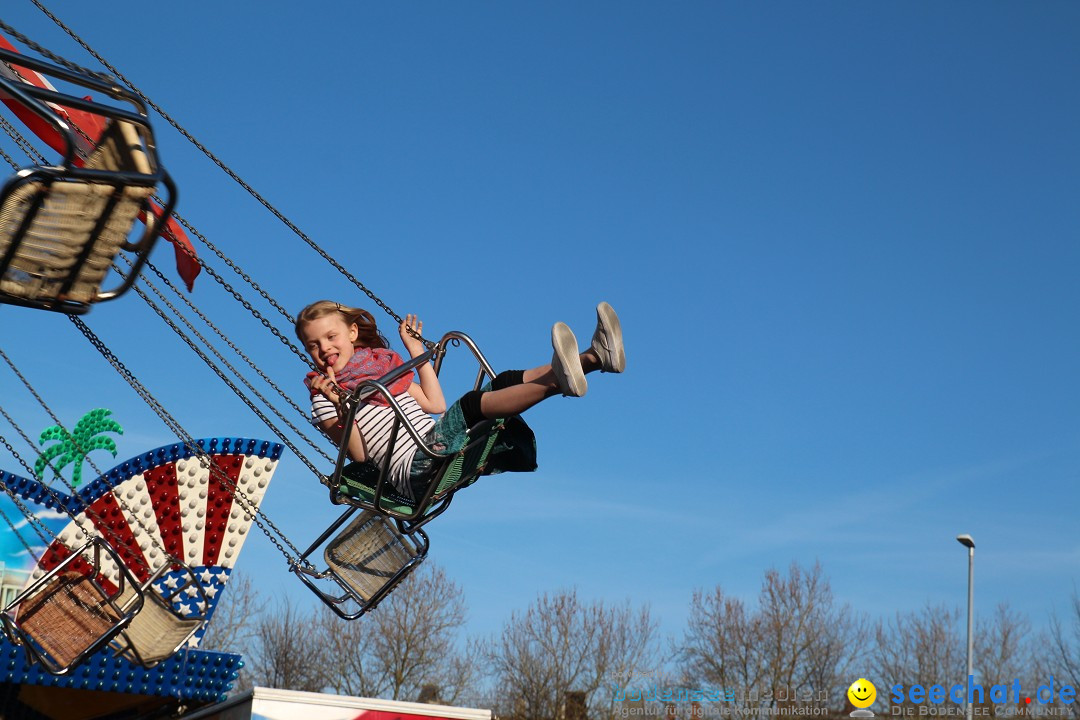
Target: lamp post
(969, 543)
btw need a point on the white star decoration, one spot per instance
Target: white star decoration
(194, 609)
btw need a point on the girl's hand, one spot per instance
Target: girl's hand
(412, 344)
(327, 386)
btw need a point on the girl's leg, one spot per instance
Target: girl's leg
(537, 384)
(564, 376)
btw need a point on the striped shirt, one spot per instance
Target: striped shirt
(375, 423)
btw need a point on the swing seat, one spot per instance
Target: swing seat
(67, 615)
(62, 228)
(158, 631)
(365, 485)
(364, 562)
(385, 542)
(67, 618)
(360, 481)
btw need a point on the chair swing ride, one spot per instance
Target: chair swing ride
(148, 545)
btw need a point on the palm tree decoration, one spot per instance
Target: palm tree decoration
(71, 448)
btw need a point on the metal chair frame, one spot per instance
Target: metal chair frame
(50, 588)
(346, 594)
(158, 631)
(40, 181)
(434, 502)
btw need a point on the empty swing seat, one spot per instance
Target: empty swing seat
(365, 562)
(67, 615)
(59, 235)
(368, 553)
(63, 227)
(158, 631)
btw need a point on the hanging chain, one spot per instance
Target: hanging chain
(202, 316)
(249, 506)
(41, 402)
(217, 371)
(22, 142)
(11, 160)
(35, 156)
(240, 181)
(30, 517)
(233, 266)
(22, 540)
(70, 485)
(231, 368)
(30, 388)
(91, 514)
(52, 56)
(247, 305)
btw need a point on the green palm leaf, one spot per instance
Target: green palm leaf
(72, 448)
(46, 457)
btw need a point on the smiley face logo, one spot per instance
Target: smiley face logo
(862, 693)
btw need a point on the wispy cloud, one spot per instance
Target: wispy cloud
(840, 516)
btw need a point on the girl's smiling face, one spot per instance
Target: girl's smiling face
(329, 341)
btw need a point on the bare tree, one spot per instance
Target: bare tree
(408, 642)
(232, 626)
(560, 645)
(1065, 635)
(349, 644)
(463, 678)
(722, 642)
(923, 647)
(1061, 661)
(929, 647)
(797, 644)
(287, 654)
(1004, 648)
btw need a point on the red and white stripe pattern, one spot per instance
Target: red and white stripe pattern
(169, 502)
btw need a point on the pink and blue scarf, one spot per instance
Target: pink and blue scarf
(369, 364)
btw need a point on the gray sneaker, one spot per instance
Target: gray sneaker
(607, 340)
(566, 364)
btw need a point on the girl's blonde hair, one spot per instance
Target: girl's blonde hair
(369, 335)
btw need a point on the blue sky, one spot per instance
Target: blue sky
(842, 238)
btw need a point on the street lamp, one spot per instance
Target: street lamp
(969, 543)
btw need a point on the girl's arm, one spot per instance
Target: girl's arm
(428, 393)
(332, 426)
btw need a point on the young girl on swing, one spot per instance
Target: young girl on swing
(348, 349)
